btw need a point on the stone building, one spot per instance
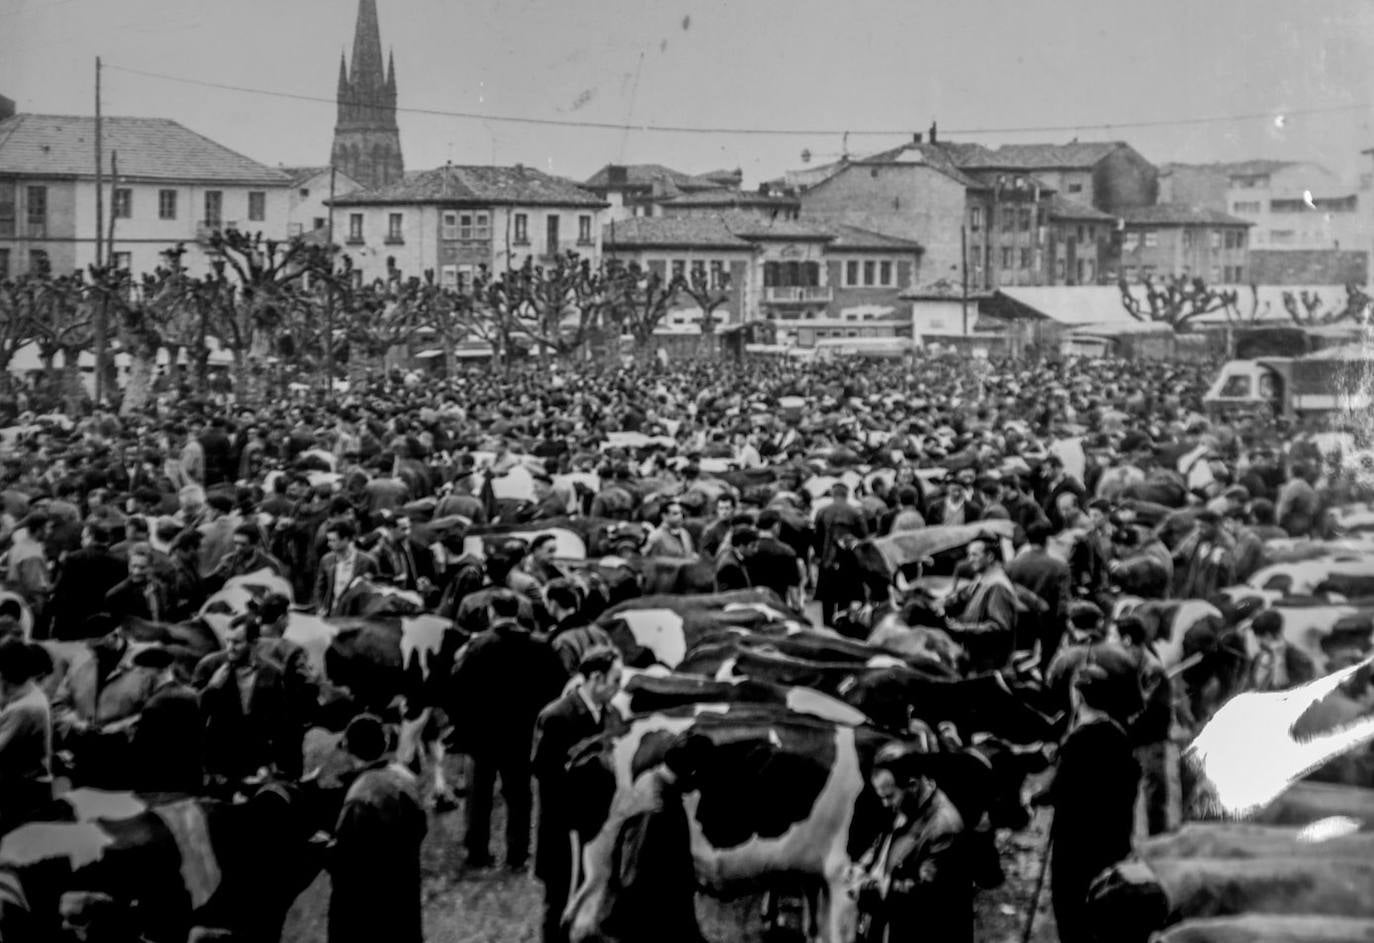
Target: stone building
(367, 141)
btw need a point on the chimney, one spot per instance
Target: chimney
(932, 133)
(916, 138)
(6, 108)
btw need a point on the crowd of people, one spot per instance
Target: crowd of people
(109, 521)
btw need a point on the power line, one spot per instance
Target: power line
(775, 132)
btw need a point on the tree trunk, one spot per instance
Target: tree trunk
(243, 378)
(139, 390)
(357, 369)
(73, 390)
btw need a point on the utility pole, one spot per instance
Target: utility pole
(102, 310)
(99, 171)
(963, 266)
(329, 303)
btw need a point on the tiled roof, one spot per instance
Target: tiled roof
(723, 197)
(1179, 214)
(300, 175)
(644, 175)
(707, 232)
(1061, 208)
(852, 237)
(476, 184)
(1073, 156)
(931, 155)
(149, 148)
(742, 230)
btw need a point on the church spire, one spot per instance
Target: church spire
(367, 142)
(367, 48)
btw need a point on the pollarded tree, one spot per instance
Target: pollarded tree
(255, 287)
(17, 299)
(1308, 309)
(61, 314)
(556, 307)
(640, 298)
(1176, 301)
(708, 298)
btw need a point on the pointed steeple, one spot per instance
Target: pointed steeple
(367, 142)
(344, 94)
(367, 48)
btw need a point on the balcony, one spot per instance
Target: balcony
(206, 227)
(798, 294)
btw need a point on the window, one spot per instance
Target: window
(257, 206)
(214, 208)
(449, 226)
(448, 276)
(38, 213)
(319, 222)
(1129, 273)
(38, 262)
(1025, 258)
(584, 230)
(166, 204)
(720, 278)
(851, 273)
(1236, 387)
(1075, 188)
(122, 206)
(1130, 241)
(123, 260)
(355, 227)
(7, 207)
(305, 193)
(1216, 274)
(885, 273)
(1006, 257)
(1187, 238)
(474, 227)
(294, 229)
(1059, 269)
(551, 246)
(1080, 233)
(1216, 239)
(1245, 206)
(1025, 216)
(1151, 239)
(4, 264)
(1239, 275)
(522, 229)
(1281, 237)
(357, 278)
(975, 221)
(870, 269)
(1008, 219)
(1092, 233)
(679, 268)
(394, 221)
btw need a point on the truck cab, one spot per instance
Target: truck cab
(1251, 387)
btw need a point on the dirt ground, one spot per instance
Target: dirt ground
(463, 906)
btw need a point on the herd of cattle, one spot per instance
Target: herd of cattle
(795, 716)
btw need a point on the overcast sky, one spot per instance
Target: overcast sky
(764, 64)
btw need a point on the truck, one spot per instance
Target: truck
(1335, 383)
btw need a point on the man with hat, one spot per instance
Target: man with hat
(838, 524)
(1094, 787)
(83, 579)
(165, 751)
(247, 556)
(374, 858)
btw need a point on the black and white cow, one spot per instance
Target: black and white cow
(177, 862)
